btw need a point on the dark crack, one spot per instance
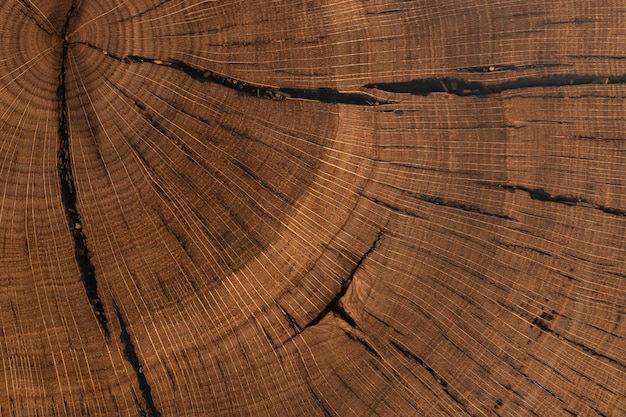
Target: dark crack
(438, 378)
(131, 356)
(596, 57)
(68, 188)
(293, 323)
(542, 323)
(394, 208)
(335, 305)
(322, 94)
(498, 68)
(542, 195)
(368, 347)
(461, 206)
(422, 86)
(35, 16)
(463, 87)
(513, 246)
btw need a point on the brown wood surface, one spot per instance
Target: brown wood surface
(312, 208)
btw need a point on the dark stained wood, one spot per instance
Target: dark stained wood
(287, 208)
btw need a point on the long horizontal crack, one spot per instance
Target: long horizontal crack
(322, 94)
(131, 356)
(542, 195)
(421, 86)
(463, 87)
(68, 189)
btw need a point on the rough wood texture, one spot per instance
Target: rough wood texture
(321, 208)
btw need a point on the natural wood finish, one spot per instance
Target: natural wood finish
(320, 208)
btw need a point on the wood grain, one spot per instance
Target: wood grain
(287, 208)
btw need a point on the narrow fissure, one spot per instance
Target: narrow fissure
(463, 87)
(131, 356)
(36, 18)
(68, 187)
(504, 67)
(461, 206)
(322, 94)
(542, 195)
(438, 378)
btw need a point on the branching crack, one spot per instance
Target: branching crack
(131, 356)
(335, 304)
(68, 188)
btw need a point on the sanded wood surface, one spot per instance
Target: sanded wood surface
(312, 208)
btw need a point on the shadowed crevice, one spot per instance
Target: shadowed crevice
(421, 86)
(542, 195)
(68, 188)
(318, 399)
(500, 67)
(512, 246)
(39, 20)
(368, 347)
(293, 323)
(463, 87)
(461, 206)
(322, 94)
(335, 304)
(131, 356)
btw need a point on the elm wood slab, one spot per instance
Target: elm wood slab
(312, 208)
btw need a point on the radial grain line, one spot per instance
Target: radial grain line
(68, 188)
(131, 356)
